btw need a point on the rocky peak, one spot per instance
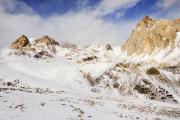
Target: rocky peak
(46, 40)
(22, 41)
(43, 47)
(151, 35)
(108, 47)
(146, 21)
(46, 37)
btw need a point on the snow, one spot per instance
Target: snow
(79, 106)
(32, 39)
(65, 94)
(43, 73)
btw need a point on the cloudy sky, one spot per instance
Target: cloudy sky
(79, 21)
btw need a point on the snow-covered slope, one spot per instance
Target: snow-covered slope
(90, 82)
(51, 73)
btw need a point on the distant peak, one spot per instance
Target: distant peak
(46, 36)
(22, 41)
(23, 36)
(146, 18)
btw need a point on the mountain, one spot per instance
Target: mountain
(39, 48)
(140, 80)
(151, 35)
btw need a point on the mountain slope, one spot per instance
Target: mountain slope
(40, 76)
(151, 35)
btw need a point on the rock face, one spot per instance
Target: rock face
(46, 40)
(43, 55)
(150, 35)
(20, 42)
(89, 58)
(108, 47)
(45, 43)
(177, 24)
(43, 47)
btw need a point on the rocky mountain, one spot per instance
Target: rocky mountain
(151, 35)
(43, 47)
(20, 43)
(140, 82)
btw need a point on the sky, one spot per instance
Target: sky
(79, 21)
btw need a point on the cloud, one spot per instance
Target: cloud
(82, 2)
(168, 9)
(15, 6)
(82, 27)
(166, 3)
(107, 6)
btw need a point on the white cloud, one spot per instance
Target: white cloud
(108, 6)
(168, 9)
(166, 3)
(15, 6)
(82, 2)
(119, 14)
(80, 27)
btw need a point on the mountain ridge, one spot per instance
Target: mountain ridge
(93, 78)
(151, 35)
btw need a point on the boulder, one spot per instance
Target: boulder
(89, 58)
(152, 71)
(142, 89)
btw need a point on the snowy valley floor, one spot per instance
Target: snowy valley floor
(24, 103)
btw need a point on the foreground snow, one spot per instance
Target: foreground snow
(23, 103)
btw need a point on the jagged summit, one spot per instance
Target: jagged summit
(42, 47)
(151, 35)
(46, 40)
(22, 41)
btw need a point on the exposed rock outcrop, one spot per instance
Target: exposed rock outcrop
(20, 43)
(129, 79)
(177, 24)
(152, 71)
(89, 58)
(150, 35)
(108, 47)
(43, 47)
(45, 41)
(43, 55)
(173, 69)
